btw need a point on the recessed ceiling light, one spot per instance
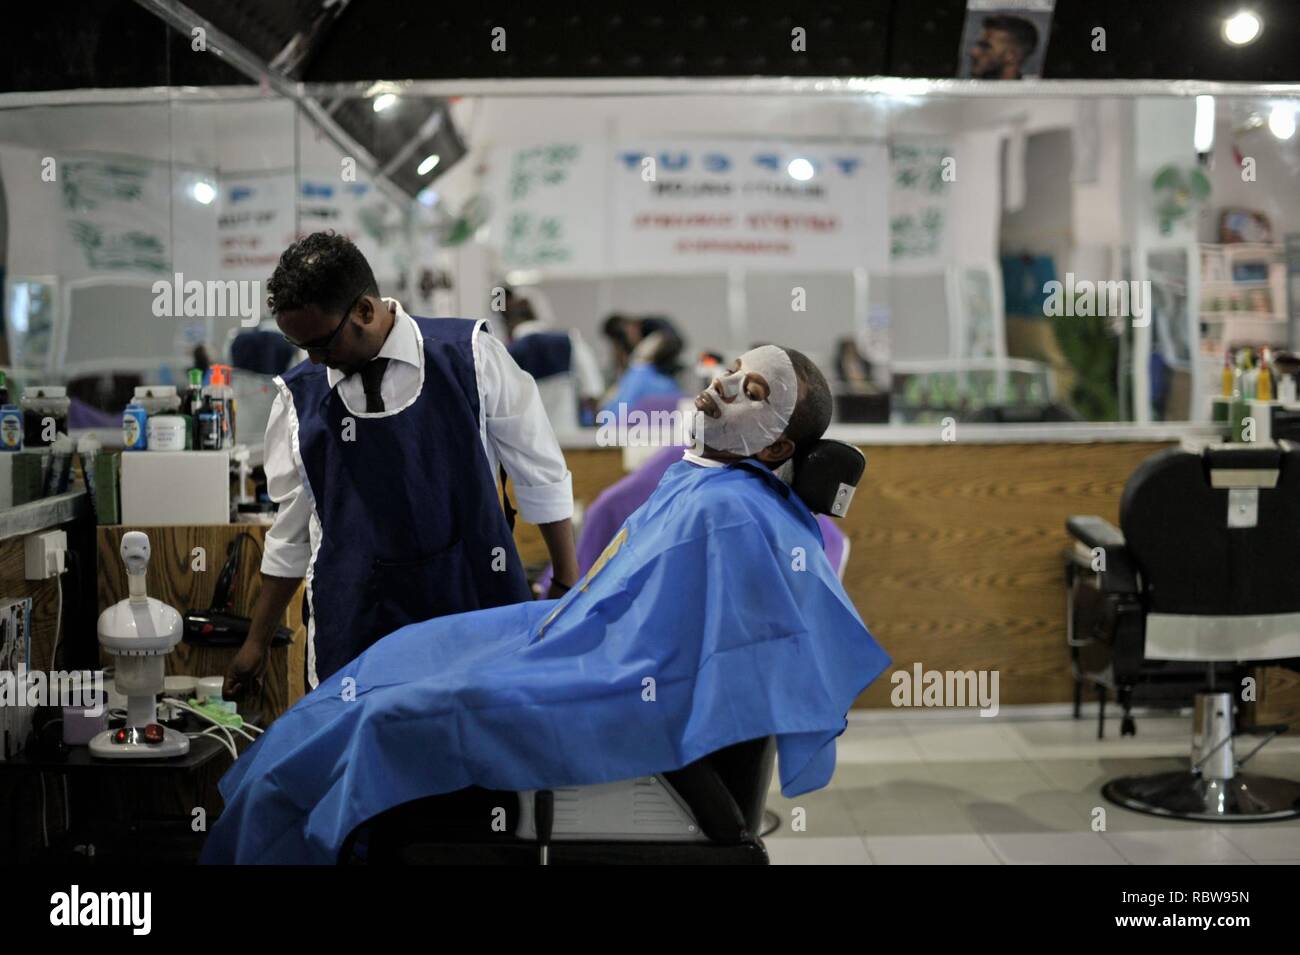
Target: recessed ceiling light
(426, 166)
(1242, 27)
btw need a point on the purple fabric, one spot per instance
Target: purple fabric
(833, 540)
(82, 415)
(652, 403)
(616, 503)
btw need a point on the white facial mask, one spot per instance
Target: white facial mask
(745, 425)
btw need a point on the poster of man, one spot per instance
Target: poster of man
(1004, 39)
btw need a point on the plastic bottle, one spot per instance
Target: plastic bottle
(135, 427)
(192, 406)
(211, 423)
(43, 405)
(223, 402)
(1264, 383)
(11, 428)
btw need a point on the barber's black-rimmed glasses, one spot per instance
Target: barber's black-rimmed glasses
(326, 343)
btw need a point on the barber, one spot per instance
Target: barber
(382, 451)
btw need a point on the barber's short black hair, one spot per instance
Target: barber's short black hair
(812, 412)
(323, 269)
(1023, 33)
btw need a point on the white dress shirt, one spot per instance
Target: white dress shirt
(561, 393)
(512, 426)
(693, 458)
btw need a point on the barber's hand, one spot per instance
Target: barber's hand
(557, 590)
(244, 676)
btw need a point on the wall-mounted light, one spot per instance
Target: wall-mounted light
(1203, 130)
(203, 192)
(800, 169)
(1242, 27)
(1281, 120)
(383, 101)
(427, 164)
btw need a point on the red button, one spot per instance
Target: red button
(119, 736)
(153, 733)
(206, 628)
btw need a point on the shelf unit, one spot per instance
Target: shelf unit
(1241, 304)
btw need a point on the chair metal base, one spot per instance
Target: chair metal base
(1245, 797)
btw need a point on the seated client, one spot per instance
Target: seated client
(713, 617)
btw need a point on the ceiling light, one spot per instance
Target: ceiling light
(427, 165)
(1242, 27)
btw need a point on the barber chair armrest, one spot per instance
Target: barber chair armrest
(1117, 574)
(1093, 531)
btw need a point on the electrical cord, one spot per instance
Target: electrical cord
(58, 625)
(228, 743)
(185, 705)
(229, 740)
(256, 543)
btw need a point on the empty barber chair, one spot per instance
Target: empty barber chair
(707, 813)
(1197, 585)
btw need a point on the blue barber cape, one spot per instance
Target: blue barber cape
(712, 618)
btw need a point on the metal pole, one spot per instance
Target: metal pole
(227, 48)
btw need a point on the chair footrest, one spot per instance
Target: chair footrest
(1266, 729)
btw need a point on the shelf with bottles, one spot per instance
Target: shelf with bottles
(1237, 262)
(1242, 281)
(1257, 374)
(1241, 330)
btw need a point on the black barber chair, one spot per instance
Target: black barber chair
(707, 813)
(1197, 585)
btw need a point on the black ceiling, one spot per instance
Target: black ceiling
(63, 44)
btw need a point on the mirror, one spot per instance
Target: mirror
(958, 254)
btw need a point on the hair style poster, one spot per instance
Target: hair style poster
(1005, 39)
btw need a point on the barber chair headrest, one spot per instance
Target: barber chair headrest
(826, 477)
(1243, 465)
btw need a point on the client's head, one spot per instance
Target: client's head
(771, 403)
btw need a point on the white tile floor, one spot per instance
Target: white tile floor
(920, 790)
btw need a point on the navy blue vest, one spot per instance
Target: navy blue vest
(411, 525)
(543, 354)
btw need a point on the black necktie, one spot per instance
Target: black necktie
(372, 373)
